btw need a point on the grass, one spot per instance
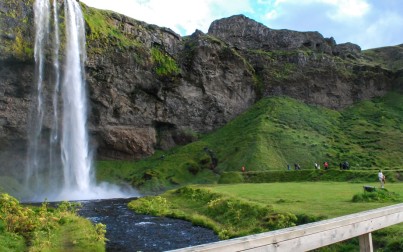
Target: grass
(313, 198)
(227, 216)
(242, 209)
(271, 134)
(79, 234)
(33, 228)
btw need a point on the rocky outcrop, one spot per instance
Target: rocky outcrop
(244, 33)
(152, 89)
(304, 65)
(212, 86)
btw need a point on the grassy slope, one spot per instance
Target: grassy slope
(276, 132)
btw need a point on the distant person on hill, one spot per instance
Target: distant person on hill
(326, 165)
(381, 178)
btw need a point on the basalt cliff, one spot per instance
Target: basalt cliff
(152, 89)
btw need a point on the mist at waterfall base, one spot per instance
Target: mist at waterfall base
(59, 158)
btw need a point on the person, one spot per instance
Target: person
(346, 165)
(316, 166)
(243, 168)
(326, 165)
(381, 178)
(288, 167)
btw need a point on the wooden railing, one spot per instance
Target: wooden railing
(313, 235)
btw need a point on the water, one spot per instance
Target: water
(59, 162)
(128, 231)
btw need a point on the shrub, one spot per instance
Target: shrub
(40, 227)
(379, 195)
(305, 218)
(150, 205)
(230, 178)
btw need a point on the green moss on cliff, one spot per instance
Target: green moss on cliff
(17, 38)
(164, 65)
(103, 32)
(21, 48)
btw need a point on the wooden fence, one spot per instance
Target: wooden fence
(313, 235)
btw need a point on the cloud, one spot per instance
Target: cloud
(182, 16)
(367, 23)
(271, 15)
(385, 30)
(348, 9)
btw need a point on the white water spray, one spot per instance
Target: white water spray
(60, 168)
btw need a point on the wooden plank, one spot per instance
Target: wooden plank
(312, 235)
(366, 243)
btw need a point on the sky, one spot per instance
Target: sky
(367, 23)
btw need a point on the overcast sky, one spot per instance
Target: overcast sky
(368, 23)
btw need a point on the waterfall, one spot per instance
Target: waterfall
(60, 168)
(75, 153)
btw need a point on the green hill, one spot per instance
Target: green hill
(273, 133)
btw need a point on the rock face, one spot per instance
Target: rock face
(304, 65)
(244, 33)
(152, 89)
(213, 84)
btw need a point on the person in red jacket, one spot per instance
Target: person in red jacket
(326, 165)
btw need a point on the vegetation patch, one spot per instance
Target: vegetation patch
(318, 175)
(378, 195)
(47, 229)
(315, 201)
(227, 216)
(164, 65)
(231, 178)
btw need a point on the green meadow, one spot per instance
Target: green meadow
(327, 199)
(235, 210)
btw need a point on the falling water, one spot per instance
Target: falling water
(75, 153)
(60, 168)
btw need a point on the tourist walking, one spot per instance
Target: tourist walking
(381, 178)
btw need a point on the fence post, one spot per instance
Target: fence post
(366, 243)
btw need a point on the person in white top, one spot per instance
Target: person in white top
(381, 178)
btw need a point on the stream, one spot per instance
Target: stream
(129, 231)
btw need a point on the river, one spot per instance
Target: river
(129, 231)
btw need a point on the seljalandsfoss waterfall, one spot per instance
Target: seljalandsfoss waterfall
(59, 162)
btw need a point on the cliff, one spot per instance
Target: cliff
(152, 89)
